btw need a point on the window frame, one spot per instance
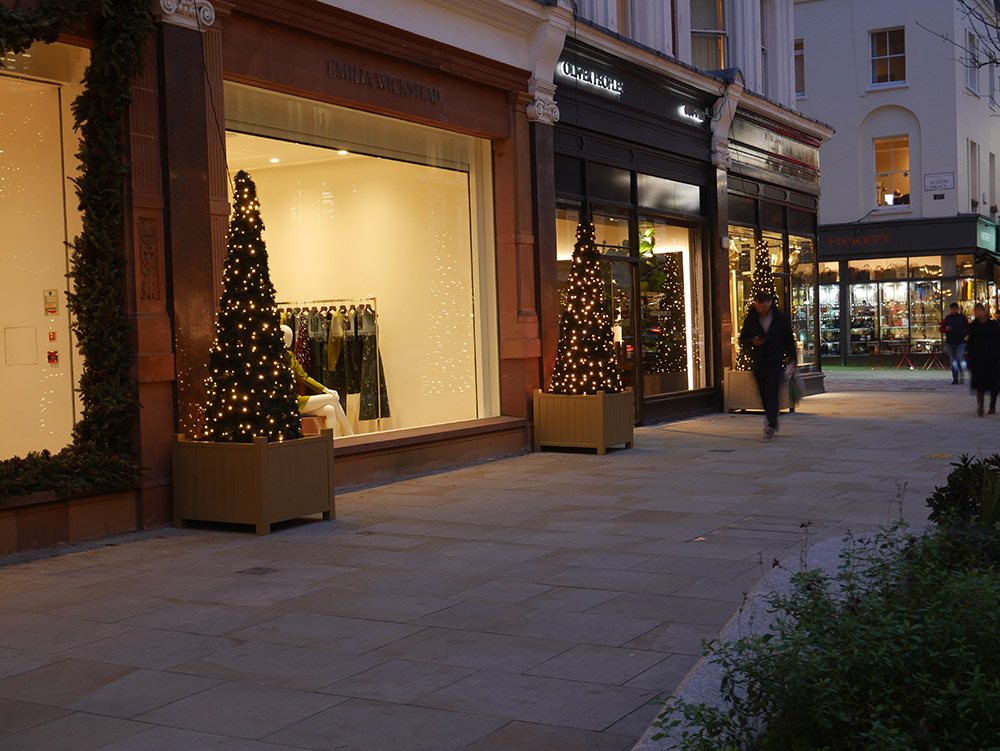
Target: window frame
(876, 172)
(873, 59)
(720, 35)
(971, 62)
(799, 68)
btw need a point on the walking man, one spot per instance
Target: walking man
(984, 357)
(955, 328)
(767, 335)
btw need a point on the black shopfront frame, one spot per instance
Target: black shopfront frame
(652, 127)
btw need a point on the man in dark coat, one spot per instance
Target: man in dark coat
(954, 327)
(767, 335)
(982, 354)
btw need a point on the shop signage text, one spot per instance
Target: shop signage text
(986, 237)
(602, 81)
(383, 81)
(693, 113)
(841, 242)
(939, 181)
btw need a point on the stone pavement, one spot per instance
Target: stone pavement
(541, 602)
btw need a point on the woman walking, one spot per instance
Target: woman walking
(982, 354)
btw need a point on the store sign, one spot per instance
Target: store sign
(602, 82)
(986, 236)
(693, 113)
(858, 240)
(939, 181)
(374, 79)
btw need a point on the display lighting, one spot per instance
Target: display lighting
(585, 360)
(250, 387)
(761, 281)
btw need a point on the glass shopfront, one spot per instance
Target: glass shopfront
(897, 304)
(39, 217)
(649, 234)
(379, 236)
(793, 263)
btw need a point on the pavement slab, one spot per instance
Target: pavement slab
(538, 603)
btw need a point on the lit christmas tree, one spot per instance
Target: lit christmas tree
(585, 360)
(761, 281)
(250, 389)
(671, 343)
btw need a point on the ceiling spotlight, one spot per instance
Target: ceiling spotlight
(342, 152)
(274, 160)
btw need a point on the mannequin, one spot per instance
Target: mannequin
(325, 403)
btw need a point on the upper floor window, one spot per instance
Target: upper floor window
(892, 171)
(888, 56)
(708, 34)
(972, 62)
(800, 68)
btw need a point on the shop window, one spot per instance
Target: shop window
(892, 171)
(923, 267)
(569, 175)
(668, 195)
(876, 269)
(863, 319)
(708, 34)
(926, 312)
(802, 270)
(894, 319)
(829, 318)
(609, 183)
(742, 210)
(800, 68)
(388, 224)
(672, 295)
(38, 215)
(888, 56)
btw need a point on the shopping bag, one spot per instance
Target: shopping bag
(796, 389)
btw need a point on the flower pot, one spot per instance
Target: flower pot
(741, 394)
(596, 421)
(255, 483)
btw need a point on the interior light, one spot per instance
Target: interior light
(342, 152)
(274, 160)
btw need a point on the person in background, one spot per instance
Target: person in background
(767, 335)
(982, 353)
(955, 328)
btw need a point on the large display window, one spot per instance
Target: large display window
(802, 270)
(379, 236)
(38, 217)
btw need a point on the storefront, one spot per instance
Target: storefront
(885, 287)
(633, 153)
(773, 200)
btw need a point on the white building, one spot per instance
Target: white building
(910, 191)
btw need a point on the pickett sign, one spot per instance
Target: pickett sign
(376, 80)
(845, 242)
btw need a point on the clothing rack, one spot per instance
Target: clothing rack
(334, 301)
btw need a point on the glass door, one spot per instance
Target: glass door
(612, 230)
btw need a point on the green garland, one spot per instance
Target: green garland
(100, 455)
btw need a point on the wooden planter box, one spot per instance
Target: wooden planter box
(255, 483)
(741, 394)
(596, 421)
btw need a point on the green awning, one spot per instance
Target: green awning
(986, 239)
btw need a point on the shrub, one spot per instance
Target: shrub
(971, 493)
(899, 651)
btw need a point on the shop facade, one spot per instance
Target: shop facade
(633, 152)
(885, 287)
(395, 185)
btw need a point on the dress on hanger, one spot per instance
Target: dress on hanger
(374, 397)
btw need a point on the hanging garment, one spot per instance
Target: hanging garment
(317, 339)
(374, 396)
(335, 339)
(353, 350)
(301, 348)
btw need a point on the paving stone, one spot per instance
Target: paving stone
(503, 592)
(361, 725)
(141, 691)
(575, 704)
(279, 665)
(377, 606)
(471, 616)
(398, 681)
(595, 664)
(349, 635)
(62, 683)
(39, 632)
(16, 716)
(196, 618)
(73, 732)
(150, 648)
(526, 736)
(585, 628)
(160, 738)
(241, 710)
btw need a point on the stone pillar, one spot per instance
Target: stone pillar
(185, 121)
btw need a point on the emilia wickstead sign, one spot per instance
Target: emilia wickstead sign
(601, 81)
(374, 79)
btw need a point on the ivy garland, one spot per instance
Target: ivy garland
(100, 454)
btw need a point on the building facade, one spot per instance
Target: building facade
(908, 224)
(421, 166)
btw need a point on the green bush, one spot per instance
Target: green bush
(971, 493)
(899, 651)
(72, 470)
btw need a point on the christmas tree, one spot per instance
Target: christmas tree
(671, 343)
(250, 388)
(585, 359)
(761, 281)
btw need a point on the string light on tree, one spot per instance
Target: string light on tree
(250, 387)
(585, 360)
(761, 281)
